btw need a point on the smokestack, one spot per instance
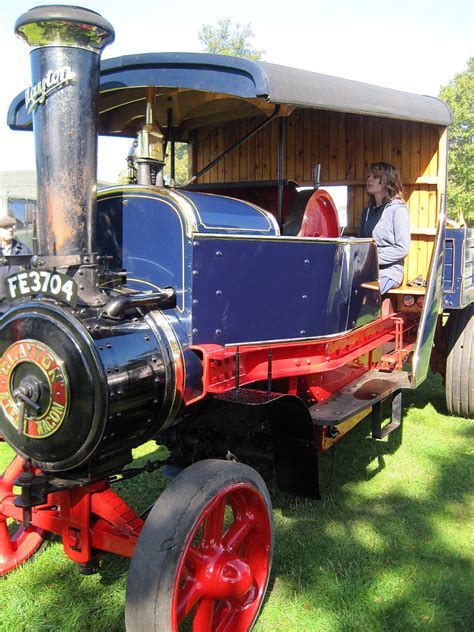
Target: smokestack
(66, 44)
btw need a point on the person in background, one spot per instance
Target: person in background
(386, 219)
(9, 246)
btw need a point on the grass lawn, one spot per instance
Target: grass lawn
(389, 548)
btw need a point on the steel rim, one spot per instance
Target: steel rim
(224, 568)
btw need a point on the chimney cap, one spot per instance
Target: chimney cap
(64, 25)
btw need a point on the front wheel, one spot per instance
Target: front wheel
(19, 544)
(460, 363)
(203, 558)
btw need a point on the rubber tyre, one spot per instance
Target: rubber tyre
(158, 565)
(460, 363)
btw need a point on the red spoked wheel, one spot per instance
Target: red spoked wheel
(16, 547)
(203, 558)
(320, 217)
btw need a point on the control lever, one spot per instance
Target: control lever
(24, 393)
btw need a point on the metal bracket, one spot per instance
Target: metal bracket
(379, 432)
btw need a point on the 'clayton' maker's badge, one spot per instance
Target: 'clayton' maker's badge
(53, 80)
(30, 367)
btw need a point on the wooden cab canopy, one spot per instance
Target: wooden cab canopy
(291, 120)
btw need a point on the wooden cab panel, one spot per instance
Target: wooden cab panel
(344, 145)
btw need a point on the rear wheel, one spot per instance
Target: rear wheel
(460, 363)
(203, 558)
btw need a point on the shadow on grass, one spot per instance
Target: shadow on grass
(49, 594)
(384, 550)
(375, 563)
(392, 554)
(431, 392)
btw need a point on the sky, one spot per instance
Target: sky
(411, 45)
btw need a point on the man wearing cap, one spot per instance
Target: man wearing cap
(9, 246)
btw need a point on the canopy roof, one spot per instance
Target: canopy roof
(203, 89)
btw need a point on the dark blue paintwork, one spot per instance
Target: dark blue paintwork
(252, 290)
(145, 233)
(235, 279)
(365, 302)
(148, 232)
(219, 214)
(458, 268)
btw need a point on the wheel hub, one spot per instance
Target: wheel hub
(225, 576)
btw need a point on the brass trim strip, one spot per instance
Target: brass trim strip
(158, 322)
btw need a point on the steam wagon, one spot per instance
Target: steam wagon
(200, 317)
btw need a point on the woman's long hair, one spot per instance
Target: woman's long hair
(389, 178)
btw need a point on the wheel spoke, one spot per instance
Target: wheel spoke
(204, 618)
(188, 596)
(194, 558)
(213, 524)
(223, 616)
(22, 543)
(16, 548)
(236, 534)
(13, 471)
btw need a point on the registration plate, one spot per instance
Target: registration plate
(45, 282)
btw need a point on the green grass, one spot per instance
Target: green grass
(389, 547)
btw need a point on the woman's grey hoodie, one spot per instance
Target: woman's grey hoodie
(389, 226)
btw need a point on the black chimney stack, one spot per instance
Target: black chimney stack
(66, 43)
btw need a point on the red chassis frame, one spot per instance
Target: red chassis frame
(93, 518)
(315, 369)
(88, 518)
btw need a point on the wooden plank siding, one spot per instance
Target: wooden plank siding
(344, 145)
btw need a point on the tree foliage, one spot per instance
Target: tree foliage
(459, 95)
(223, 39)
(181, 163)
(226, 39)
